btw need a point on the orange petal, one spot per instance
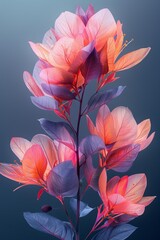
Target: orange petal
(101, 26)
(32, 85)
(119, 39)
(34, 163)
(131, 59)
(125, 127)
(121, 206)
(121, 186)
(111, 185)
(111, 48)
(69, 25)
(56, 76)
(64, 52)
(13, 172)
(101, 121)
(48, 147)
(102, 184)
(91, 126)
(136, 186)
(19, 146)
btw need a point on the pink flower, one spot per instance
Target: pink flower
(37, 159)
(124, 196)
(123, 137)
(79, 48)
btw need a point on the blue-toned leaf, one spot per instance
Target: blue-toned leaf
(45, 103)
(84, 208)
(121, 159)
(120, 232)
(59, 131)
(62, 180)
(51, 225)
(99, 99)
(91, 69)
(90, 145)
(58, 91)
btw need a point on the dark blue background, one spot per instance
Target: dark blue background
(21, 21)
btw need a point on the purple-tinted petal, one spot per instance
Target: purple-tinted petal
(62, 180)
(59, 131)
(51, 225)
(92, 68)
(58, 91)
(122, 159)
(91, 145)
(99, 99)
(81, 57)
(45, 103)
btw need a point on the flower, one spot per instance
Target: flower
(79, 48)
(123, 137)
(38, 158)
(124, 196)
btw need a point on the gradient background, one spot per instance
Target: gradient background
(21, 21)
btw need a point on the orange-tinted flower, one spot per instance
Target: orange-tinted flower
(121, 134)
(124, 196)
(37, 159)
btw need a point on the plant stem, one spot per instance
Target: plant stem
(78, 163)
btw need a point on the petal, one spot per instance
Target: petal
(34, 163)
(111, 185)
(136, 186)
(121, 159)
(102, 184)
(49, 38)
(40, 50)
(101, 26)
(19, 146)
(142, 134)
(56, 76)
(102, 115)
(131, 59)
(91, 126)
(125, 127)
(66, 153)
(32, 85)
(13, 172)
(69, 25)
(62, 180)
(146, 200)
(121, 206)
(119, 39)
(48, 147)
(147, 142)
(64, 52)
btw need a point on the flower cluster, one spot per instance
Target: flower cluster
(80, 48)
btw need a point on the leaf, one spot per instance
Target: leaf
(120, 232)
(59, 131)
(58, 91)
(98, 99)
(91, 145)
(84, 208)
(62, 180)
(45, 103)
(51, 225)
(91, 69)
(122, 159)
